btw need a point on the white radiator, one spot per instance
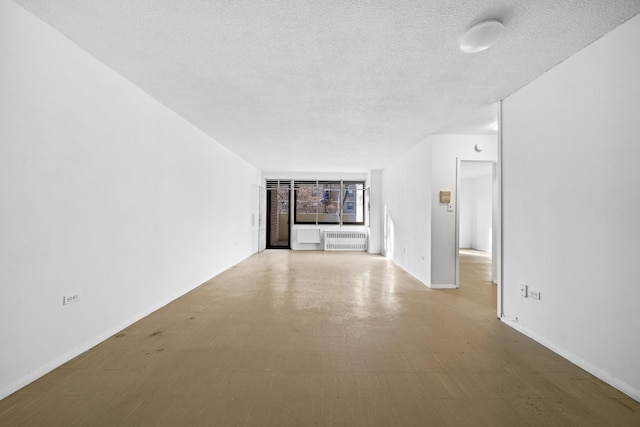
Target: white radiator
(345, 241)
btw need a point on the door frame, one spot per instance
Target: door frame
(268, 220)
(262, 210)
(495, 223)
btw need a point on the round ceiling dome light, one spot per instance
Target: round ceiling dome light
(481, 36)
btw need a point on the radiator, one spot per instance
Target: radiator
(345, 241)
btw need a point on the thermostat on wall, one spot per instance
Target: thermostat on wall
(445, 197)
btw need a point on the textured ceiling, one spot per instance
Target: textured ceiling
(328, 86)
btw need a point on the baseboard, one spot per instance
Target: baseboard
(428, 285)
(593, 370)
(59, 361)
(443, 286)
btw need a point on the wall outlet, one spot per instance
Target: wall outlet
(524, 290)
(534, 294)
(68, 299)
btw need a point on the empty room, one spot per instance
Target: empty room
(338, 213)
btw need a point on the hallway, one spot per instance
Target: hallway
(321, 338)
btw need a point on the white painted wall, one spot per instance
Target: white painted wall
(406, 189)
(571, 146)
(374, 183)
(476, 206)
(447, 149)
(104, 192)
(262, 219)
(481, 239)
(467, 211)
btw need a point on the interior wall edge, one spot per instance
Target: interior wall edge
(413, 276)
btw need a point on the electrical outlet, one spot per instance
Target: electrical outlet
(524, 290)
(534, 294)
(68, 299)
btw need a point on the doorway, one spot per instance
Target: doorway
(476, 224)
(278, 206)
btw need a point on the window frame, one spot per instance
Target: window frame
(343, 197)
(340, 201)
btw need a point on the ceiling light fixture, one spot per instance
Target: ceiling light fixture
(481, 36)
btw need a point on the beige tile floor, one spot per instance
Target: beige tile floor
(331, 339)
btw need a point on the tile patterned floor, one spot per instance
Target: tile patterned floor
(292, 338)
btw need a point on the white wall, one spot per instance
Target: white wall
(447, 149)
(406, 189)
(467, 211)
(476, 207)
(483, 227)
(571, 147)
(104, 192)
(375, 215)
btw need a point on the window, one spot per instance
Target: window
(353, 203)
(329, 202)
(317, 202)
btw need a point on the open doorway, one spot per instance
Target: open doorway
(476, 218)
(278, 224)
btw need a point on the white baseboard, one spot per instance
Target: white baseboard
(593, 370)
(443, 286)
(428, 285)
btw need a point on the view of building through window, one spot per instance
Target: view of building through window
(353, 203)
(327, 202)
